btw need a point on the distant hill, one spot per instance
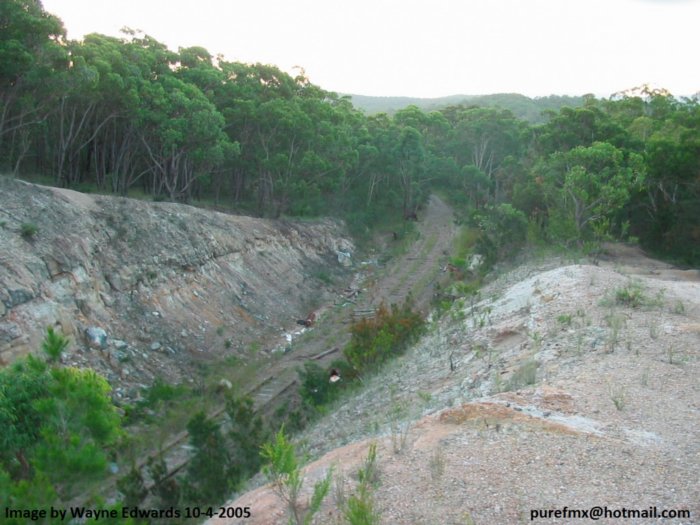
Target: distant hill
(526, 108)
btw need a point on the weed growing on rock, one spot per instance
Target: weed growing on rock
(525, 375)
(426, 397)
(399, 429)
(618, 395)
(369, 473)
(28, 230)
(615, 323)
(564, 319)
(654, 329)
(633, 295)
(359, 508)
(340, 496)
(678, 308)
(630, 295)
(437, 464)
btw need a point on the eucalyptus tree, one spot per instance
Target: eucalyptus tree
(670, 202)
(112, 155)
(31, 51)
(587, 188)
(483, 141)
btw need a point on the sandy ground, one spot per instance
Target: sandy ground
(560, 395)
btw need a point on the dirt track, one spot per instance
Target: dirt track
(414, 272)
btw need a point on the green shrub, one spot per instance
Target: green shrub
(315, 388)
(58, 426)
(132, 487)
(246, 432)
(387, 334)
(629, 296)
(284, 471)
(28, 230)
(503, 231)
(565, 319)
(525, 375)
(165, 489)
(54, 344)
(208, 479)
(632, 295)
(359, 508)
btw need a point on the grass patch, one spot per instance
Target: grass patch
(464, 242)
(618, 395)
(525, 375)
(324, 276)
(28, 230)
(565, 319)
(633, 295)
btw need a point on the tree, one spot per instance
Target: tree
(165, 488)
(315, 389)
(485, 138)
(21, 385)
(132, 487)
(410, 155)
(31, 51)
(58, 426)
(208, 472)
(79, 425)
(54, 344)
(502, 231)
(247, 433)
(589, 186)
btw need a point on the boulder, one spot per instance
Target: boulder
(475, 262)
(344, 258)
(96, 337)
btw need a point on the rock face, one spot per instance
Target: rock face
(118, 275)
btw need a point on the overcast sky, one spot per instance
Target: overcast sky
(428, 48)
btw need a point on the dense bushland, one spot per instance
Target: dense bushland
(129, 116)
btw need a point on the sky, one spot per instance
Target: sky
(428, 48)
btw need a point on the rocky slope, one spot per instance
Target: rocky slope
(563, 384)
(146, 289)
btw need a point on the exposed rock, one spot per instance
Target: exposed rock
(145, 271)
(107, 299)
(9, 332)
(475, 262)
(96, 337)
(155, 346)
(19, 296)
(344, 258)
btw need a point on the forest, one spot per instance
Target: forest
(128, 116)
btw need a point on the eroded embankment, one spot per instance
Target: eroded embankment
(169, 284)
(560, 385)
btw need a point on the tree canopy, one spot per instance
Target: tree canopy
(127, 114)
